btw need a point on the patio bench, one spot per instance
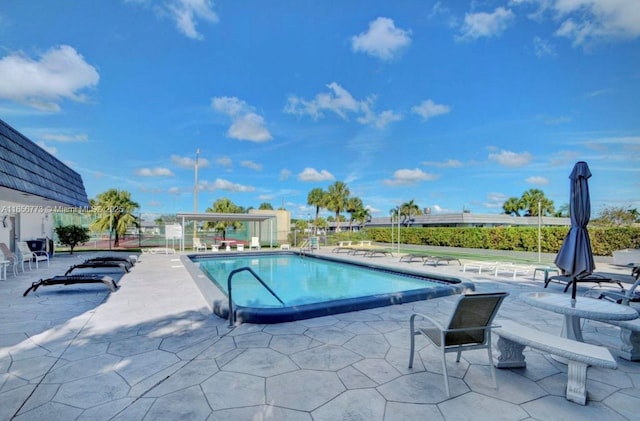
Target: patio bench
(514, 337)
(630, 337)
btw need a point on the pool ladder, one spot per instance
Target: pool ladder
(232, 318)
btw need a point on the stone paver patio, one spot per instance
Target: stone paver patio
(153, 351)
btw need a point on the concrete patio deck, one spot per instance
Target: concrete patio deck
(152, 351)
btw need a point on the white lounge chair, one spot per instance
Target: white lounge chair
(480, 265)
(514, 270)
(255, 243)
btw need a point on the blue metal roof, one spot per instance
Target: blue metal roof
(27, 168)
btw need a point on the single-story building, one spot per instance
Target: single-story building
(459, 220)
(33, 185)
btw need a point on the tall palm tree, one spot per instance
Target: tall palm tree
(337, 197)
(361, 216)
(408, 209)
(317, 197)
(355, 208)
(223, 205)
(115, 209)
(530, 200)
(512, 206)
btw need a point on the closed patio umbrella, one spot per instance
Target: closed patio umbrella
(575, 258)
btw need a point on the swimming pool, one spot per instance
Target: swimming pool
(308, 286)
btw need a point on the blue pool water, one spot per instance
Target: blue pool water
(311, 286)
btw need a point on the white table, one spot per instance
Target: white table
(583, 307)
(227, 244)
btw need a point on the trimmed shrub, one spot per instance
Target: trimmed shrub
(604, 241)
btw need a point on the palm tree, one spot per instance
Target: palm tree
(317, 197)
(354, 207)
(407, 209)
(530, 200)
(223, 205)
(337, 197)
(115, 208)
(361, 216)
(512, 206)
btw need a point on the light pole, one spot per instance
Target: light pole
(398, 230)
(195, 184)
(539, 232)
(392, 229)
(195, 194)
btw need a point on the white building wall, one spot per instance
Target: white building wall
(20, 222)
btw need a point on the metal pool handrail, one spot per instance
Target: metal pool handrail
(255, 275)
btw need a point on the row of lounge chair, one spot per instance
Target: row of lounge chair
(101, 262)
(497, 268)
(428, 259)
(363, 248)
(609, 286)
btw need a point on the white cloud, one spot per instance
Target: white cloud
(246, 124)
(249, 127)
(511, 159)
(554, 121)
(482, 24)
(405, 177)
(60, 73)
(428, 109)
(224, 162)
(311, 174)
(285, 174)
(372, 210)
(340, 101)
(251, 164)
(442, 14)
(449, 163)
(495, 200)
(537, 180)
(379, 120)
(174, 190)
(187, 162)
(383, 40)
(598, 19)
(52, 150)
(226, 185)
(588, 21)
(543, 48)
(154, 172)
(64, 138)
(187, 13)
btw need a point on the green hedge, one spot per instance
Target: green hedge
(604, 241)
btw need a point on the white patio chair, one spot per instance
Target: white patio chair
(255, 243)
(199, 245)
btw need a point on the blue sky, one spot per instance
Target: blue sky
(456, 105)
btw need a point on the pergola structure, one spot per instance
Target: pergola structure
(228, 217)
